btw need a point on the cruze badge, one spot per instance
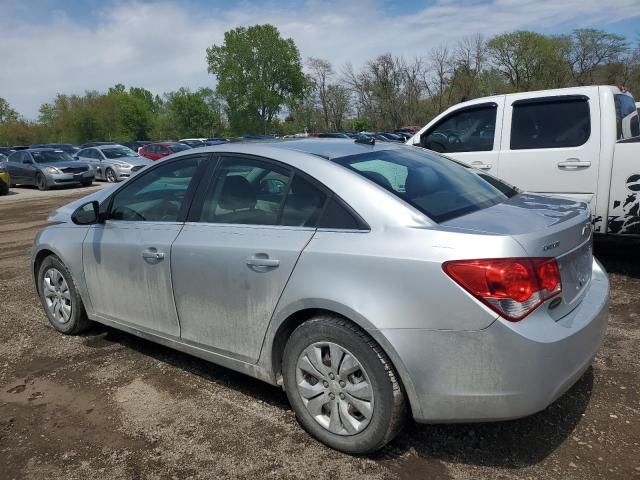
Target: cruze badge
(551, 246)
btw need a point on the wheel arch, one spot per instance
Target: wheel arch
(294, 316)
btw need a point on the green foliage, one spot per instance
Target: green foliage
(258, 72)
(7, 114)
(191, 114)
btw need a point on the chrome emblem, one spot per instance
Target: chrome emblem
(587, 229)
(551, 246)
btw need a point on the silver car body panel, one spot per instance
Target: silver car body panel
(458, 360)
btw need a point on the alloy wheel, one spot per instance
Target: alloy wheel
(335, 388)
(57, 295)
(111, 176)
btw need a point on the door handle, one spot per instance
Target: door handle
(262, 260)
(573, 163)
(481, 166)
(152, 254)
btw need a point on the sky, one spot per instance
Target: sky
(56, 46)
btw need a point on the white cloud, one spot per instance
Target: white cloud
(161, 45)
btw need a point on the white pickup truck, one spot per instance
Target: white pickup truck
(582, 143)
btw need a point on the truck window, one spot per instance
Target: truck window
(627, 123)
(470, 129)
(550, 123)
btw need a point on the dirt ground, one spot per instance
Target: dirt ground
(108, 405)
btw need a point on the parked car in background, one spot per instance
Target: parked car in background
(5, 180)
(332, 135)
(194, 142)
(136, 145)
(113, 163)
(6, 151)
(581, 143)
(156, 151)
(15, 148)
(65, 147)
(46, 168)
(96, 144)
(372, 281)
(391, 137)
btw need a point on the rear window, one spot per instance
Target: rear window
(550, 122)
(438, 187)
(627, 123)
(178, 147)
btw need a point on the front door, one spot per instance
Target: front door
(231, 263)
(127, 260)
(551, 144)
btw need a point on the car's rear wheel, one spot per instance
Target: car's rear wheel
(41, 182)
(110, 175)
(342, 386)
(59, 297)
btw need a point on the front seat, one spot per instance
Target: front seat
(239, 196)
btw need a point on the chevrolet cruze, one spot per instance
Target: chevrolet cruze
(374, 283)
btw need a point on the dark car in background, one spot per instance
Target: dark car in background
(6, 151)
(332, 135)
(156, 151)
(46, 168)
(65, 147)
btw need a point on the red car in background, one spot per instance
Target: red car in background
(158, 150)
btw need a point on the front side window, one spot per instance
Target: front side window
(158, 195)
(438, 187)
(627, 122)
(550, 123)
(468, 130)
(253, 192)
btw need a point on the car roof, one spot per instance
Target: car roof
(328, 148)
(40, 149)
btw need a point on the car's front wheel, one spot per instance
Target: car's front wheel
(59, 297)
(110, 175)
(342, 386)
(41, 182)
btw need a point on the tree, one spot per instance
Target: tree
(591, 49)
(529, 60)
(338, 101)
(7, 114)
(193, 113)
(321, 72)
(257, 72)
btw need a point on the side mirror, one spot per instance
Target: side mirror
(87, 214)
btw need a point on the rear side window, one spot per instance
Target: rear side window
(550, 123)
(436, 186)
(627, 123)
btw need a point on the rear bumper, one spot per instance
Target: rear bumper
(505, 371)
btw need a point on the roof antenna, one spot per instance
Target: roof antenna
(365, 139)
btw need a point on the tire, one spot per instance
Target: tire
(41, 182)
(364, 430)
(77, 320)
(4, 188)
(110, 175)
(87, 183)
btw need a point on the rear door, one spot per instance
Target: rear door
(232, 260)
(551, 143)
(470, 134)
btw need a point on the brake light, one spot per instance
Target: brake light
(513, 287)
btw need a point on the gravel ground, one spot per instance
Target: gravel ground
(108, 405)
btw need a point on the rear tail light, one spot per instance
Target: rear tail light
(513, 287)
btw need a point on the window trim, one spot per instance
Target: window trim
(469, 108)
(213, 172)
(189, 195)
(549, 99)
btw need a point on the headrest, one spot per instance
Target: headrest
(421, 181)
(237, 194)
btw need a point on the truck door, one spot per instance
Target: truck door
(551, 143)
(468, 134)
(624, 200)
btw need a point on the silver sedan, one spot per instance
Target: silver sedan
(372, 282)
(113, 163)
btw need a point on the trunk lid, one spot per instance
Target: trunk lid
(545, 227)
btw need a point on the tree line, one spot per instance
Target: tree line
(263, 86)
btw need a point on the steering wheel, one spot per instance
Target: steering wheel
(125, 212)
(453, 139)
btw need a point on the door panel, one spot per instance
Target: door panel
(227, 280)
(124, 285)
(543, 143)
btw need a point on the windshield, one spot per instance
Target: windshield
(436, 186)
(178, 147)
(118, 152)
(51, 156)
